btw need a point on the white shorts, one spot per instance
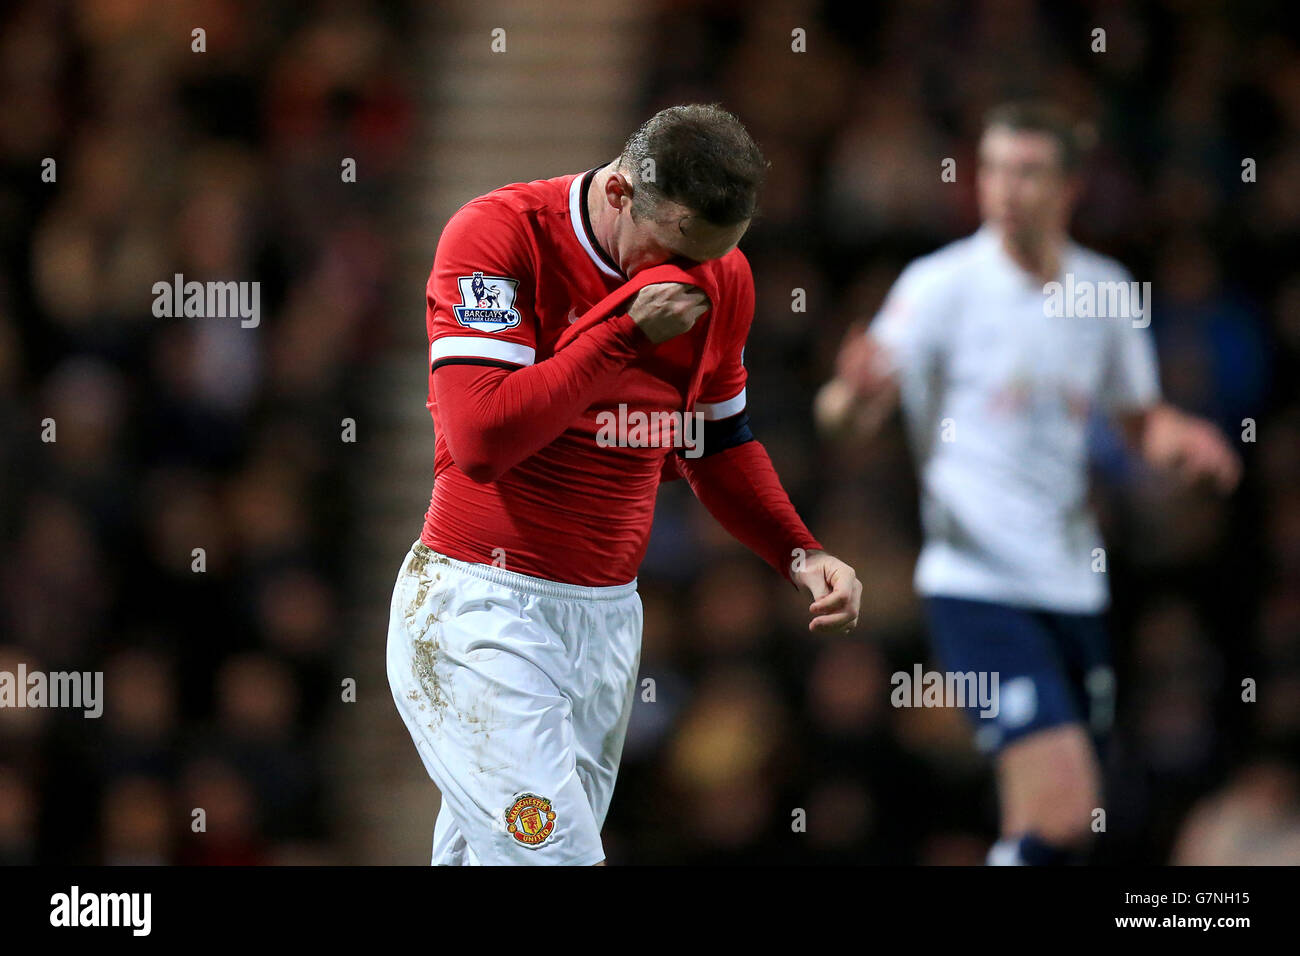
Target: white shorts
(517, 692)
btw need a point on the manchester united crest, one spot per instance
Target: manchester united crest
(530, 819)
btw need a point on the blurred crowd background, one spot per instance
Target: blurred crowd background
(222, 687)
(176, 434)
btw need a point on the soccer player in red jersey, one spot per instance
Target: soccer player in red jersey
(579, 327)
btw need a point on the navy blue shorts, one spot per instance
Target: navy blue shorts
(1053, 668)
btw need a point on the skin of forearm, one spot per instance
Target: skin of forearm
(840, 413)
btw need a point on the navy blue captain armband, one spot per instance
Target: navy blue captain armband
(721, 435)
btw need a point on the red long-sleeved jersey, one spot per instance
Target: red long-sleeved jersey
(525, 473)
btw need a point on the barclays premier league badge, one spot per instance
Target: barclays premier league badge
(487, 302)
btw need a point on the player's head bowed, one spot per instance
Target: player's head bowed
(685, 186)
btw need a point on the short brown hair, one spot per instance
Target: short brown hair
(1074, 137)
(703, 158)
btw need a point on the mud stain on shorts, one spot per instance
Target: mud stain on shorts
(480, 716)
(413, 608)
(425, 647)
(417, 567)
(424, 665)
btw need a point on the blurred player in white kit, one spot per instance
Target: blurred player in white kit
(997, 387)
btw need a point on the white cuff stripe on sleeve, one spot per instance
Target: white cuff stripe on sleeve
(716, 411)
(479, 346)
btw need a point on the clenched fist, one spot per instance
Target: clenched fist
(666, 309)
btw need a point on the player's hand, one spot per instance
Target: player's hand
(665, 309)
(834, 588)
(864, 391)
(1193, 449)
(862, 364)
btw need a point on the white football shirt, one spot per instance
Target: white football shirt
(996, 395)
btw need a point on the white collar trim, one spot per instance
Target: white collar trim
(575, 220)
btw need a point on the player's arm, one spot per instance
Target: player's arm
(494, 417)
(1167, 438)
(734, 479)
(862, 394)
(905, 338)
(498, 405)
(1190, 448)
